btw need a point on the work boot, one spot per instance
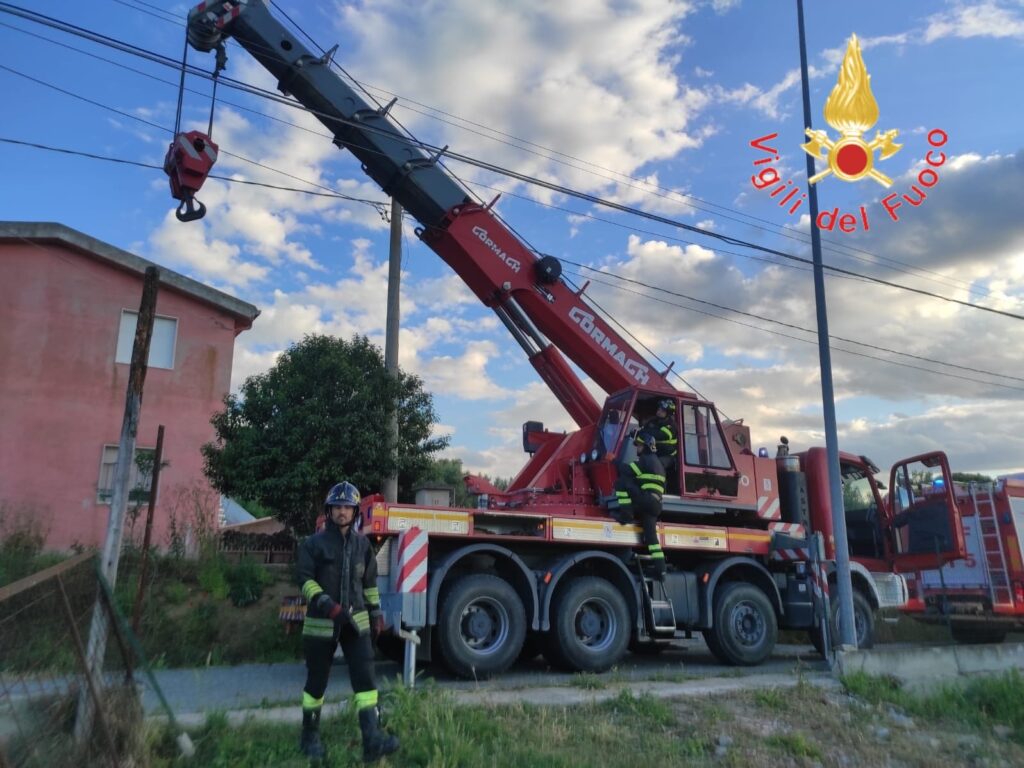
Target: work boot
(310, 745)
(376, 743)
(622, 516)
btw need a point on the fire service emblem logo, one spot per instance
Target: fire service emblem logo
(852, 110)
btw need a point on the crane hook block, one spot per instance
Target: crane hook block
(187, 164)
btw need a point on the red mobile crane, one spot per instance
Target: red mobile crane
(541, 565)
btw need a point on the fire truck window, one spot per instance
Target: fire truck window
(862, 523)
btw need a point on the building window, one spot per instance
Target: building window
(139, 480)
(161, 347)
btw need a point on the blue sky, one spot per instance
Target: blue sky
(652, 103)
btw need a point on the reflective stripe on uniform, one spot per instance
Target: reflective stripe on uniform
(308, 702)
(365, 699)
(313, 627)
(310, 590)
(362, 620)
(655, 551)
(372, 595)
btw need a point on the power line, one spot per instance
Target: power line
(594, 199)
(784, 324)
(810, 341)
(230, 179)
(648, 187)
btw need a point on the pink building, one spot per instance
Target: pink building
(68, 309)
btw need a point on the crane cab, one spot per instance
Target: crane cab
(709, 467)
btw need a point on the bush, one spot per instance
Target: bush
(246, 581)
(21, 543)
(175, 593)
(211, 577)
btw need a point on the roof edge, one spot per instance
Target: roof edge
(49, 231)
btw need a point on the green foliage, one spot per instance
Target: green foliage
(981, 702)
(246, 580)
(175, 593)
(449, 472)
(21, 543)
(795, 744)
(316, 417)
(969, 477)
(212, 578)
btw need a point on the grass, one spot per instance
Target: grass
(981, 702)
(801, 726)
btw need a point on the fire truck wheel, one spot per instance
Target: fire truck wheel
(745, 626)
(863, 619)
(481, 624)
(591, 625)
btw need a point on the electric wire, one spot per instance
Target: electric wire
(648, 188)
(782, 323)
(807, 341)
(594, 199)
(230, 179)
(379, 207)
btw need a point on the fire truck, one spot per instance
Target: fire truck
(541, 565)
(980, 597)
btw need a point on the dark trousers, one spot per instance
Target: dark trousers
(648, 510)
(358, 652)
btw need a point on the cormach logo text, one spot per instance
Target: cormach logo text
(585, 320)
(481, 233)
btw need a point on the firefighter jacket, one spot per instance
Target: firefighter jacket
(345, 567)
(665, 435)
(639, 478)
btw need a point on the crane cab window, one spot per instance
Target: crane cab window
(703, 445)
(614, 421)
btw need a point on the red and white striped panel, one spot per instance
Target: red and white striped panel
(412, 561)
(790, 529)
(229, 16)
(819, 579)
(787, 555)
(768, 507)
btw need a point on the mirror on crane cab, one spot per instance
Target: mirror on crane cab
(923, 514)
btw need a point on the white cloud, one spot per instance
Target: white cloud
(597, 77)
(986, 19)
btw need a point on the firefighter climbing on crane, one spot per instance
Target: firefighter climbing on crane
(639, 489)
(337, 571)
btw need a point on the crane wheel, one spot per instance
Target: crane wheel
(744, 626)
(481, 624)
(590, 625)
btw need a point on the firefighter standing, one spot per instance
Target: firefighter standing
(337, 571)
(639, 489)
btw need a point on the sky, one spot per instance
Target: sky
(655, 104)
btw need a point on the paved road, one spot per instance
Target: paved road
(253, 685)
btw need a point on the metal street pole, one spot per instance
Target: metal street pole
(847, 629)
(391, 336)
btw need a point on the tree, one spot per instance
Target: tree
(318, 416)
(970, 477)
(450, 472)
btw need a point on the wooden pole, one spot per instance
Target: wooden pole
(119, 503)
(144, 570)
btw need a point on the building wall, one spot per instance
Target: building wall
(62, 396)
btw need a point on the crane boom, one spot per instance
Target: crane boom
(545, 316)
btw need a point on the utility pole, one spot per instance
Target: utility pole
(391, 336)
(144, 571)
(847, 629)
(119, 502)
